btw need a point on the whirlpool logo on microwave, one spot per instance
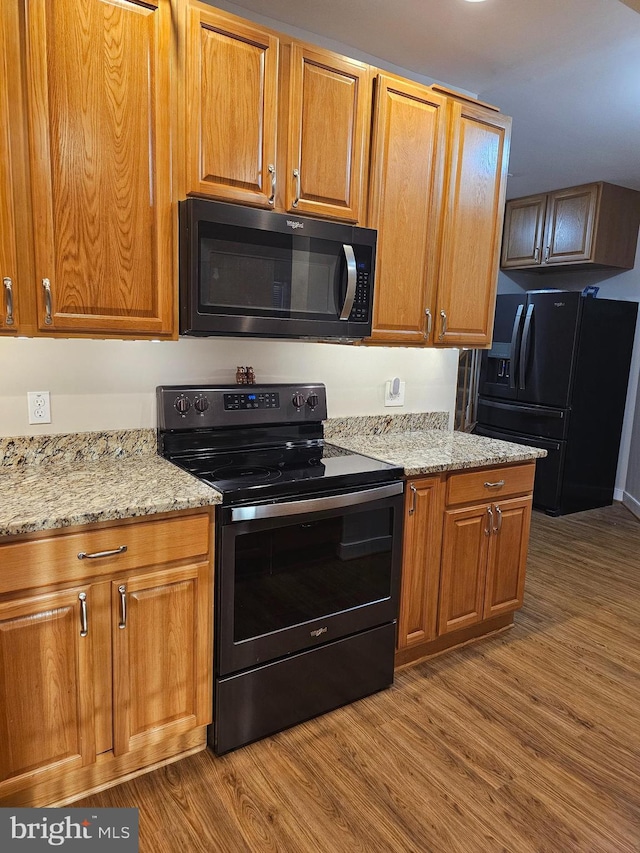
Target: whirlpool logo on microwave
(108, 830)
(294, 223)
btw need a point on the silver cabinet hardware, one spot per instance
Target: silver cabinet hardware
(272, 172)
(413, 501)
(123, 606)
(489, 527)
(97, 554)
(48, 303)
(296, 175)
(498, 525)
(497, 485)
(427, 312)
(84, 621)
(8, 287)
(443, 330)
(352, 281)
(536, 254)
(547, 253)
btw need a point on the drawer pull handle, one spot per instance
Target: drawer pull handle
(413, 502)
(497, 485)
(84, 621)
(84, 556)
(498, 525)
(489, 527)
(123, 606)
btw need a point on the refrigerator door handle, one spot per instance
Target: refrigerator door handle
(524, 346)
(513, 353)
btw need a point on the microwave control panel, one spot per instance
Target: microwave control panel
(360, 310)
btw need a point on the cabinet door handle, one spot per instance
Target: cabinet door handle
(427, 312)
(443, 329)
(547, 253)
(498, 525)
(413, 501)
(8, 287)
(272, 172)
(536, 255)
(497, 485)
(296, 175)
(97, 554)
(84, 620)
(48, 302)
(123, 606)
(489, 527)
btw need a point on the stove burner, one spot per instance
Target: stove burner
(234, 472)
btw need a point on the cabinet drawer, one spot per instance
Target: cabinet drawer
(54, 560)
(490, 483)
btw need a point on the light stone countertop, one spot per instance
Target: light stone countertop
(60, 481)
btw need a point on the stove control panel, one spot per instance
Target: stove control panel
(251, 400)
(184, 407)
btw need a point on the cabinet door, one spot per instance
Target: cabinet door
(405, 206)
(477, 174)
(162, 655)
(231, 77)
(507, 559)
(523, 232)
(327, 106)
(571, 218)
(421, 562)
(8, 261)
(99, 101)
(465, 546)
(46, 687)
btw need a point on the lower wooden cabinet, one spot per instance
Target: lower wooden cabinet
(465, 554)
(111, 673)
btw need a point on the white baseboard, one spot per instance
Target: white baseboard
(618, 494)
(631, 503)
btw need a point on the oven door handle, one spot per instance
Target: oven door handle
(281, 510)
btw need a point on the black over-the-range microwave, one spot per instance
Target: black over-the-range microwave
(245, 271)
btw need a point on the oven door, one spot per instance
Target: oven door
(297, 574)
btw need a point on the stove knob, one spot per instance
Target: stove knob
(298, 400)
(182, 404)
(201, 403)
(312, 401)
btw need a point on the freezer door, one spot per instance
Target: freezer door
(547, 487)
(547, 347)
(523, 419)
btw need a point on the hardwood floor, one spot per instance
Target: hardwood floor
(526, 743)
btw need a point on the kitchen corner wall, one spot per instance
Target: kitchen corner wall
(99, 385)
(625, 286)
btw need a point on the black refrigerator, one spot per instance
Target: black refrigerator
(556, 377)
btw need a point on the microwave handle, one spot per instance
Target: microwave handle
(352, 278)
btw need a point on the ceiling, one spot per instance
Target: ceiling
(568, 71)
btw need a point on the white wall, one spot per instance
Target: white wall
(97, 385)
(624, 285)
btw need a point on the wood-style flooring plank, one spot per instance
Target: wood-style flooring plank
(528, 742)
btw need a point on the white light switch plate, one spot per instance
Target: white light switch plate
(390, 399)
(39, 407)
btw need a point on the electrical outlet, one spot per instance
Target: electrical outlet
(391, 399)
(39, 407)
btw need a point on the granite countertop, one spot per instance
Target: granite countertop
(58, 481)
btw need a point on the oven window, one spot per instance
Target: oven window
(295, 573)
(247, 271)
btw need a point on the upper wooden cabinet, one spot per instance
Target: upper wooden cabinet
(247, 91)
(98, 99)
(230, 77)
(468, 269)
(593, 225)
(405, 205)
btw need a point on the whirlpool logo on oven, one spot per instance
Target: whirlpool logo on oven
(108, 830)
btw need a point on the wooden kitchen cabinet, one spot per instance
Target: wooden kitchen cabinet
(405, 205)
(100, 169)
(593, 225)
(424, 505)
(484, 546)
(479, 141)
(105, 661)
